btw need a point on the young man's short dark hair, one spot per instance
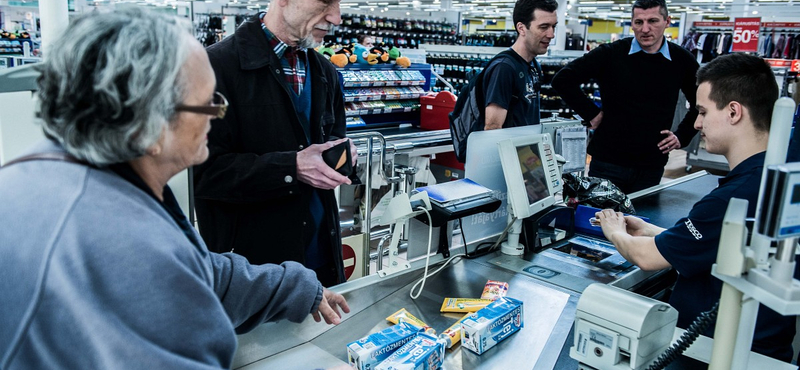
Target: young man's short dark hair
(523, 10)
(647, 4)
(743, 78)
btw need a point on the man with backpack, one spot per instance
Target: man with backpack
(506, 93)
(535, 22)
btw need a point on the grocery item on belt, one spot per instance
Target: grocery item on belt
(452, 335)
(405, 316)
(482, 330)
(424, 352)
(464, 304)
(367, 352)
(494, 289)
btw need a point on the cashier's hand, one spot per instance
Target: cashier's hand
(670, 143)
(612, 222)
(638, 227)
(634, 226)
(329, 307)
(312, 170)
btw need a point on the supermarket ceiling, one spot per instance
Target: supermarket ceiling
(768, 10)
(596, 9)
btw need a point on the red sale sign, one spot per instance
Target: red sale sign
(745, 34)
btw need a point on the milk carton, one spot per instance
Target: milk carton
(484, 329)
(424, 352)
(367, 352)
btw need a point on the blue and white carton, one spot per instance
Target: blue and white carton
(424, 352)
(488, 326)
(367, 352)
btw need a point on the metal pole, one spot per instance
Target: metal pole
(779, 134)
(367, 221)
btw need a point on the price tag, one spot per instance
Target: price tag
(405, 83)
(407, 109)
(745, 34)
(795, 66)
(379, 83)
(779, 63)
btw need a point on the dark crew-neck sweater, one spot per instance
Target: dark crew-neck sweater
(639, 93)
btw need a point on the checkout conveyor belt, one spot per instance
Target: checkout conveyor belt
(548, 314)
(549, 310)
(665, 205)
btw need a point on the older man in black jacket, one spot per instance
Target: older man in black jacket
(265, 191)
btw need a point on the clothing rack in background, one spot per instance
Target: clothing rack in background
(208, 28)
(707, 40)
(779, 40)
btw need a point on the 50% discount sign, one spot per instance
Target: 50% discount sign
(745, 34)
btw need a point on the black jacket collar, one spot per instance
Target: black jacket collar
(254, 50)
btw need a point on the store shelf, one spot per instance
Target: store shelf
(382, 83)
(383, 95)
(373, 94)
(363, 112)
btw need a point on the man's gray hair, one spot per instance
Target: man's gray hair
(108, 87)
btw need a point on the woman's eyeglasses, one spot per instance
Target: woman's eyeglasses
(217, 108)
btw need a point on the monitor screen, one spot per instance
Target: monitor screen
(531, 174)
(532, 169)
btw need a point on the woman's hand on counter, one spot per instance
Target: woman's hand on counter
(329, 307)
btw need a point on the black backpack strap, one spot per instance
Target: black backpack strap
(508, 53)
(50, 156)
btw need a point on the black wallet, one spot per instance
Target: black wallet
(338, 158)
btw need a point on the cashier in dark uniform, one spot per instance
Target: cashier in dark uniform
(735, 96)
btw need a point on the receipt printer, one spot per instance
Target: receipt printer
(617, 329)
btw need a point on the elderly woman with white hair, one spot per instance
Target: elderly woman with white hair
(99, 267)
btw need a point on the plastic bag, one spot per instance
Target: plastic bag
(595, 192)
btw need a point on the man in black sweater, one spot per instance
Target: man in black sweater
(639, 80)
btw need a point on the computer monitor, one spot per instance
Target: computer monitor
(532, 179)
(532, 176)
(483, 166)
